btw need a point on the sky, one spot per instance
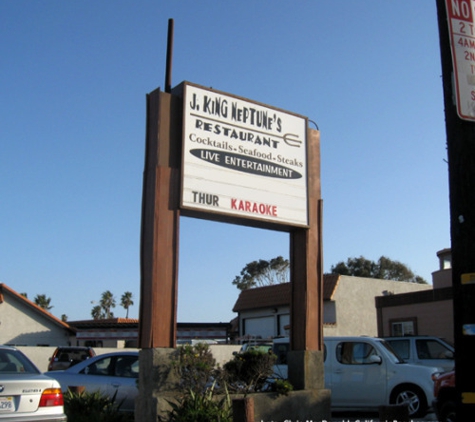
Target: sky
(73, 82)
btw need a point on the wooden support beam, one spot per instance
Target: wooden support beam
(306, 262)
(160, 222)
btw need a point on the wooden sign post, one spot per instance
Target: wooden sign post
(160, 222)
(163, 203)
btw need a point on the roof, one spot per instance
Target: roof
(330, 283)
(27, 302)
(124, 323)
(106, 323)
(279, 294)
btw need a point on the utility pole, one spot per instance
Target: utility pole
(457, 35)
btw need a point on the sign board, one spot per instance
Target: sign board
(243, 159)
(462, 41)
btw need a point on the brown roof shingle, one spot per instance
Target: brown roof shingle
(278, 294)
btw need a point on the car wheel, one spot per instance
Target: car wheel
(411, 396)
(447, 412)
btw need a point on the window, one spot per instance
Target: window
(405, 327)
(431, 349)
(281, 350)
(99, 367)
(93, 343)
(354, 353)
(13, 361)
(401, 347)
(283, 321)
(127, 366)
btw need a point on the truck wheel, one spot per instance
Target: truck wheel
(411, 396)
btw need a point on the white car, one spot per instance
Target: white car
(25, 393)
(364, 373)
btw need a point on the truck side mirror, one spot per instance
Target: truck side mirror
(375, 359)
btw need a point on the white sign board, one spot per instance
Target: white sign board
(243, 159)
(460, 14)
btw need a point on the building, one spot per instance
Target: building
(348, 306)
(122, 332)
(421, 313)
(23, 323)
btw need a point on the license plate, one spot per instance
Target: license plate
(6, 404)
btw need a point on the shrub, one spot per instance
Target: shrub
(249, 371)
(201, 381)
(93, 407)
(201, 407)
(282, 387)
(196, 367)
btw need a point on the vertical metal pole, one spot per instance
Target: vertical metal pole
(461, 155)
(168, 73)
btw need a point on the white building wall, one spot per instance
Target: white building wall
(355, 304)
(20, 325)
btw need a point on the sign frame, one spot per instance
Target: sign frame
(242, 159)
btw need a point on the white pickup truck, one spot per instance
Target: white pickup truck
(364, 373)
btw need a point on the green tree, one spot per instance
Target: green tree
(43, 302)
(64, 318)
(96, 312)
(126, 302)
(107, 303)
(263, 273)
(384, 268)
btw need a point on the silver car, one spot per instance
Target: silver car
(113, 374)
(25, 393)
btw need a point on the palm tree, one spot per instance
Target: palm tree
(43, 302)
(96, 312)
(126, 301)
(107, 302)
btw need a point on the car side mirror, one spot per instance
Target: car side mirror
(375, 359)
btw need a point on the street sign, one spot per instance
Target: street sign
(460, 15)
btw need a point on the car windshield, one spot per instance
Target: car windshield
(68, 355)
(391, 352)
(15, 362)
